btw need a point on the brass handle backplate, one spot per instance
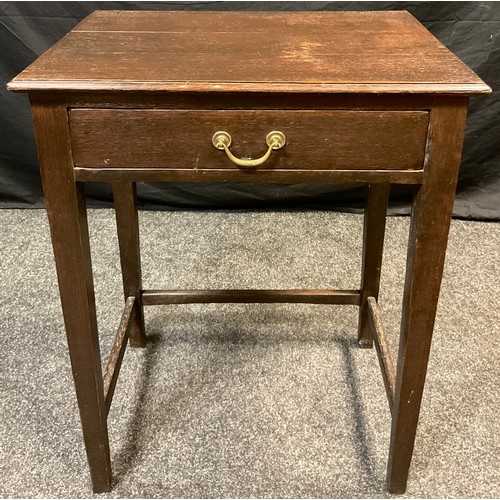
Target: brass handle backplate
(274, 140)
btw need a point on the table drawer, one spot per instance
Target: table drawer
(182, 139)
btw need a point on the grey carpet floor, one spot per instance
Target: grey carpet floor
(248, 400)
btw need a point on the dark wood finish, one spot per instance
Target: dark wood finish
(247, 175)
(65, 204)
(377, 200)
(248, 52)
(317, 140)
(431, 215)
(255, 100)
(386, 362)
(115, 358)
(365, 98)
(127, 223)
(162, 297)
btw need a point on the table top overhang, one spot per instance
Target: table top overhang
(337, 52)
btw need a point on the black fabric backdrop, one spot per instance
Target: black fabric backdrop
(469, 29)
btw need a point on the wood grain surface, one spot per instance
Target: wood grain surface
(258, 51)
(429, 227)
(162, 297)
(326, 140)
(66, 211)
(339, 85)
(376, 204)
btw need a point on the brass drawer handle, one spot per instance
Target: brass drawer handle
(275, 140)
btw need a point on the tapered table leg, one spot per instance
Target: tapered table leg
(127, 222)
(373, 245)
(431, 214)
(67, 216)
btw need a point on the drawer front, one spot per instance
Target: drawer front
(182, 139)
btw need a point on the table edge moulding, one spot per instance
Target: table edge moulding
(328, 97)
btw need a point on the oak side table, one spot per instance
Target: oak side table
(329, 97)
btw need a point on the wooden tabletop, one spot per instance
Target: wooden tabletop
(250, 51)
